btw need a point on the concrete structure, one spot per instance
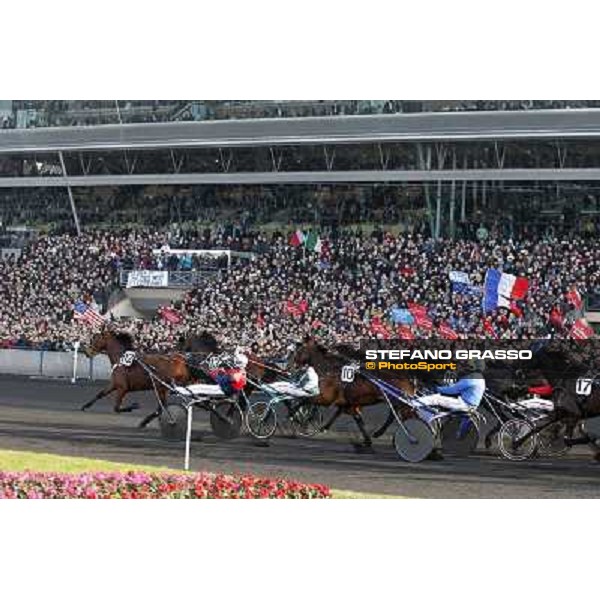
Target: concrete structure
(37, 363)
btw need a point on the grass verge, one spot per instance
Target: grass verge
(16, 460)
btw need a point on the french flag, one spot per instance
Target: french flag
(501, 288)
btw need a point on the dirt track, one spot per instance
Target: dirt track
(44, 416)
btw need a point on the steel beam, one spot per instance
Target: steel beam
(307, 177)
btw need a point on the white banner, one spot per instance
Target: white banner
(149, 279)
(459, 277)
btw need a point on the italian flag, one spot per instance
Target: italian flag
(297, 238)
(313, 242)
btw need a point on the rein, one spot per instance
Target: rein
(267, 367)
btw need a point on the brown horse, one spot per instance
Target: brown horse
(348, 398)
(134, 378)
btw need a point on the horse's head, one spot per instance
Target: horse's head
(302, 354)
(98, 342)
(108, 341)
(203, 342)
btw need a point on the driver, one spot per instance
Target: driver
(305, 383)
(232, 379)
(465, 394)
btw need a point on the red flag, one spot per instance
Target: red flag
(297, 238)
(417, 309)
(378, 328)
(260, 320)
(424, 322)
(291, 308)
(169, 315)
(520, 288)
(515, 309)
(556, 318)
(487, 326)
(405, 333)
(407, 271)
(296, 309)
(574, 297)
(581, 330)
(447, 332)
(303, 306)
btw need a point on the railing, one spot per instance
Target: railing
(44, 363)
(593, 302)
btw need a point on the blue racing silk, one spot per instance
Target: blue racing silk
(470, 390)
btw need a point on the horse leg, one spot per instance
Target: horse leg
(384, 427)
(162, 394)
(493, 431)
(332, 420)
(119, 408)
(105, 392)
(367, 442)
(149, 418)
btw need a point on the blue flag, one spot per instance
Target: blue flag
(401, 316)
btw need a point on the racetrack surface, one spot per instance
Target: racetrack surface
(44, 415)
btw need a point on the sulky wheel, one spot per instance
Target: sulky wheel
(306, 419)
(460, 435)
(414, 440)
(261, 420)
(173, 422)
(516, 440)
(226, 420)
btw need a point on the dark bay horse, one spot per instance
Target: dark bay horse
(348, 398)
(563, 364)
(126, 379)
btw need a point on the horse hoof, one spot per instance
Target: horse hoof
(435, 454)
(362, 448)
(488, 443)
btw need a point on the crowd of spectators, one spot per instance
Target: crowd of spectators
(504, 213)
(284, 292)
(60, 113)
(69, 113)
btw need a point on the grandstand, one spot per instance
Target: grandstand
(103, 185)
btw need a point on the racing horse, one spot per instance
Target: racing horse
(564, 365)
(511, 382)
(348, 398)
(134, 378)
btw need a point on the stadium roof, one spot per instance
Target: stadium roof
(493, 125)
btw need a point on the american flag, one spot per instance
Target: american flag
(86, 314)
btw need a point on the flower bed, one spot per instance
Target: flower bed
(138, 484)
